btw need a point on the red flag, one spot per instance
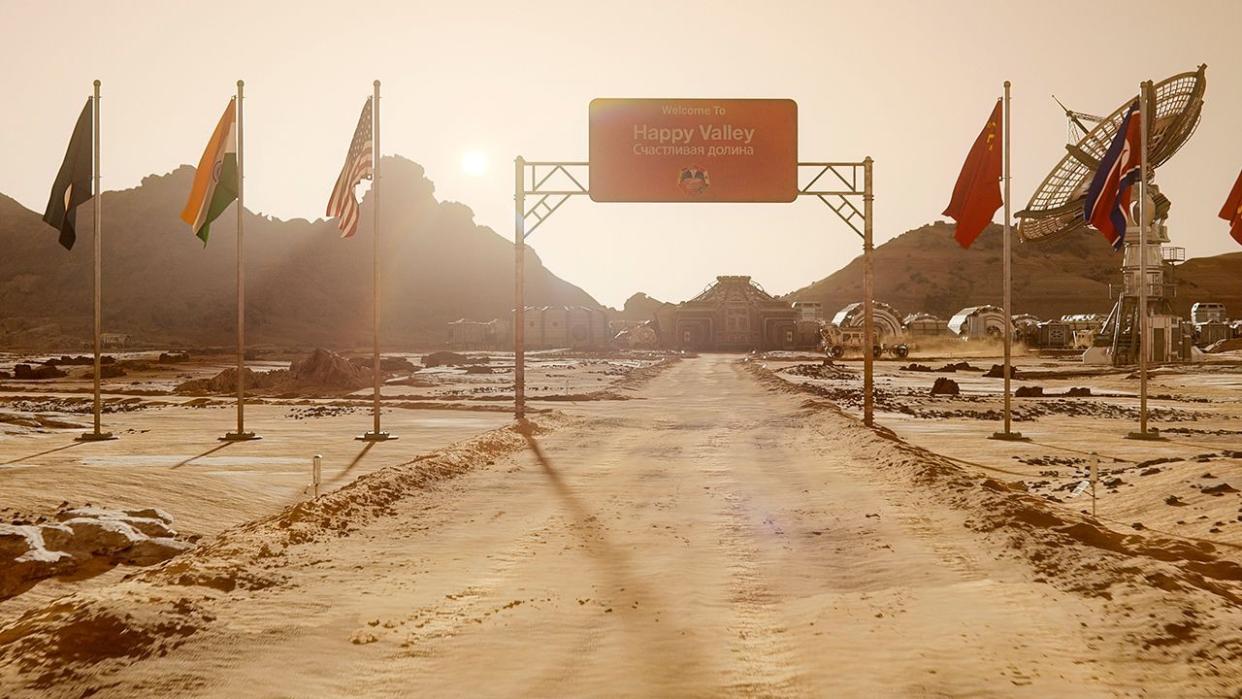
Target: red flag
(1232, 211)
(977, 194)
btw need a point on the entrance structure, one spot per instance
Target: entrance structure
(841, 186)
(734, 313)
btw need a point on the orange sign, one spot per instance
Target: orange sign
(694, 150)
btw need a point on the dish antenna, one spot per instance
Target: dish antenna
(1055, 210)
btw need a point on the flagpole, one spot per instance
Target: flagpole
(1144, 214)
(519, 290)
(868, 297)
(1007, 280)
(241, 434)
(97, 435)
(375, 435)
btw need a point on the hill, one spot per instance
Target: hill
(925, 270)
(304, 285)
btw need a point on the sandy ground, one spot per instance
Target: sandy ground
(725, 534)
(1198, 409)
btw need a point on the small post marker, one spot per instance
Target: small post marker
(1095, 478)
(316, 472)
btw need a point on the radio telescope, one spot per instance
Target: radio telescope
(1056, 211)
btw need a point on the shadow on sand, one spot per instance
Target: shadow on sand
(352, 464)
(615, 567)
(209, 452)
(42, 453)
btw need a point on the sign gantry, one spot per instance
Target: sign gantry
(691, 150)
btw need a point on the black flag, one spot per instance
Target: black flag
(73, 182)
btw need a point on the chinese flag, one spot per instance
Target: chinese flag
(977, 194)
(1232, 211)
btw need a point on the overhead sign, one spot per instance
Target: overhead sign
(693, 150)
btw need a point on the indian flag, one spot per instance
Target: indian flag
(215, 181)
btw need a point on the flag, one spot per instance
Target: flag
(1108, 197)
(1232, 211)
(343, 204)
(215, 181)
(977, 194)
(73, 184)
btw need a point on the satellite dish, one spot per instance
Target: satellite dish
(1055, 210)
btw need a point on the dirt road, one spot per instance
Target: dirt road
(714, 537)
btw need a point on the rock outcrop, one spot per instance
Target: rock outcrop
(321, 372)
(82, 537)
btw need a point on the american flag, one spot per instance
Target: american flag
(344, 204)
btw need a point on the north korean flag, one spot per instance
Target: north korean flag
(1108, 198)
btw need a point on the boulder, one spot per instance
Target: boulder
(328, 369)
(945, 387)
(101, 537)
(24, 559)
(26, 372)
(107, 371)
(478, 369)
(80, 360)
(387, 364)
(151, 513)
(16, 540)
(998, 372)
(150, 526)
(84, 535)
(149, 521)
(154, 550)
(1219, 489)
(1078, 392)
(56, 536)
(1029, 392)
(173, 357)
(226, 382)
(451, 359)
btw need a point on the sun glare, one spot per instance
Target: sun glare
(474, 162)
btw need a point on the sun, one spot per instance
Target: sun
(474, 162)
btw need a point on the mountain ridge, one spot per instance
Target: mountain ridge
(925, 270)
(304, 285)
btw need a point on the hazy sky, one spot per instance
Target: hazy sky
(908, 83)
